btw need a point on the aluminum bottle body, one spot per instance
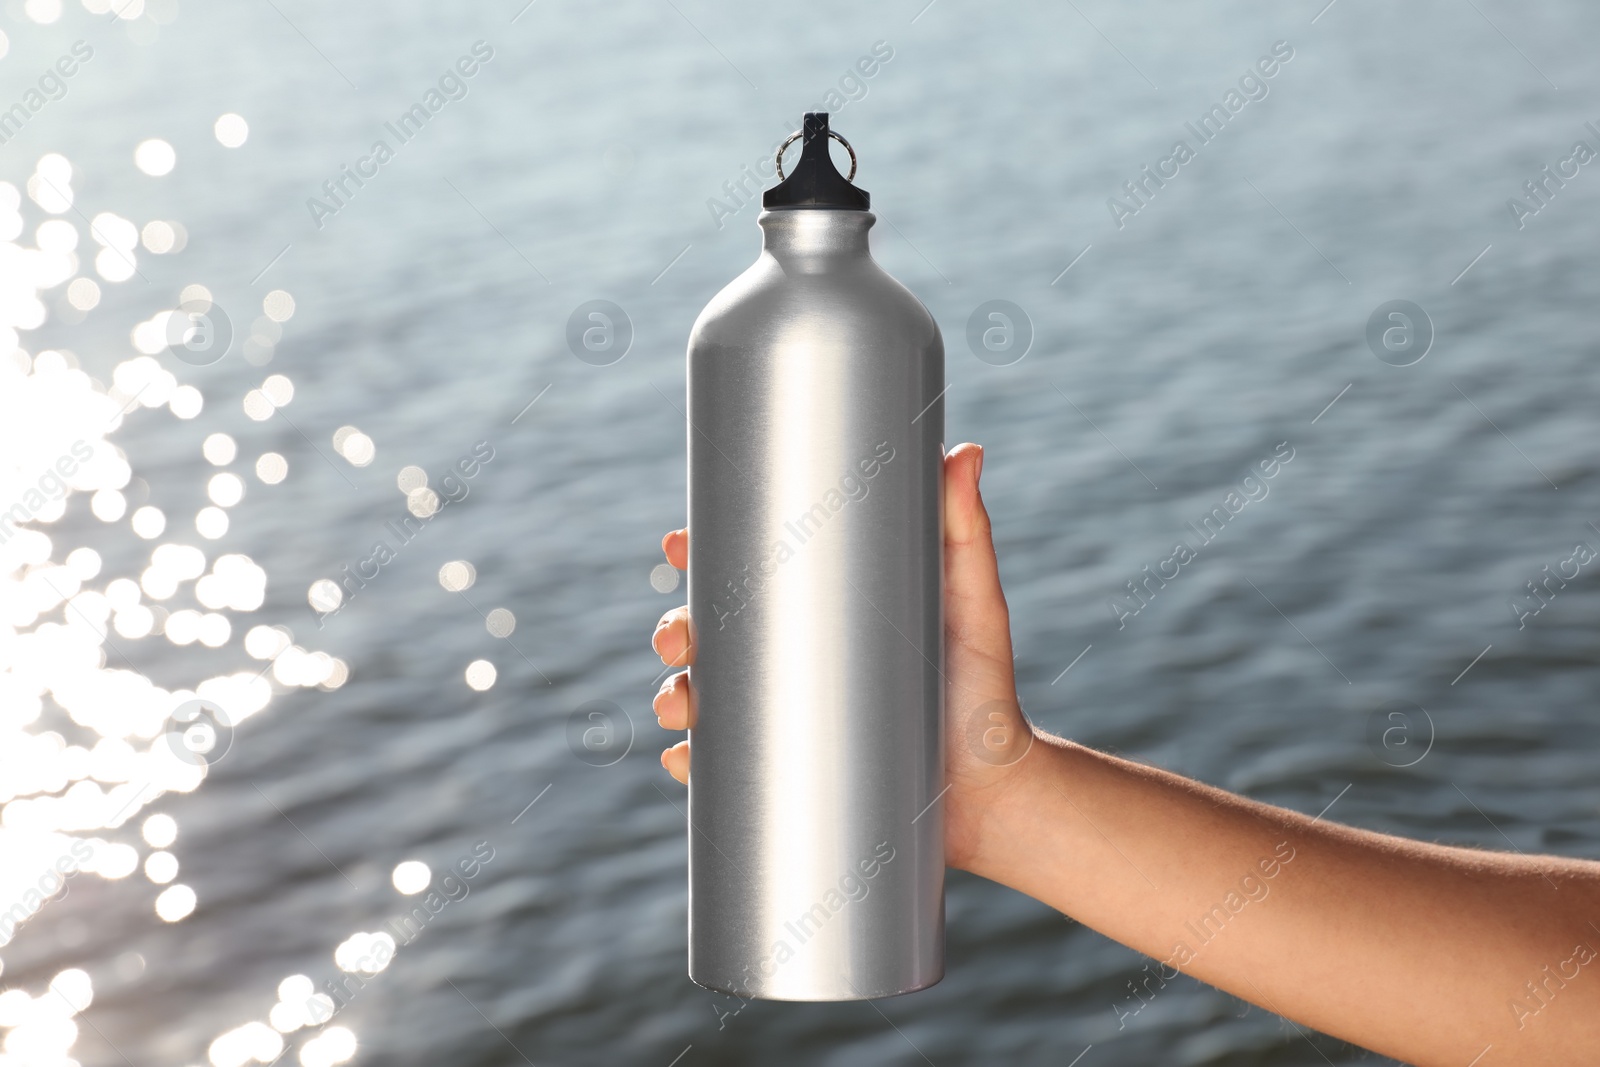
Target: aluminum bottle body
(816, 847)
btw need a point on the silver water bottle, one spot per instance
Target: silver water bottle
(816, 426)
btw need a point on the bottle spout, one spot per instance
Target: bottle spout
(816, 183)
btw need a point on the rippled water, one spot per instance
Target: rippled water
(400, 344)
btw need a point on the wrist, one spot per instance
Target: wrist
(1011, 806)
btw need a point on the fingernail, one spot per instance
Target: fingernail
(979, 475)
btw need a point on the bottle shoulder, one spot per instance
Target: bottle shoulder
(770, 293)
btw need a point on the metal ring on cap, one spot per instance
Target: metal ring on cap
(793, 137)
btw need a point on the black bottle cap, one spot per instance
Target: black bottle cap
(815, 182)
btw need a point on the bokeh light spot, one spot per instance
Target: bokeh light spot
(481, 674)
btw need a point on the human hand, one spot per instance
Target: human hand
(1351, 943)
(986, 734)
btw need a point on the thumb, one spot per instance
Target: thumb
(977, 623)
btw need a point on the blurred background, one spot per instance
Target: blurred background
(274, 793)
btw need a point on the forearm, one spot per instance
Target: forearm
(1418, 951)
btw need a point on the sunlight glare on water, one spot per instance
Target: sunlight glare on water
(88, 741)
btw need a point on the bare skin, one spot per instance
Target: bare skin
(1429, 954)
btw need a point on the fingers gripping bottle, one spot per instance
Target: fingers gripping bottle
(816, 425)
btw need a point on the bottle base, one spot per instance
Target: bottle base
(846, 991)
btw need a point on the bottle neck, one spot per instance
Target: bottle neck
(801, 235)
